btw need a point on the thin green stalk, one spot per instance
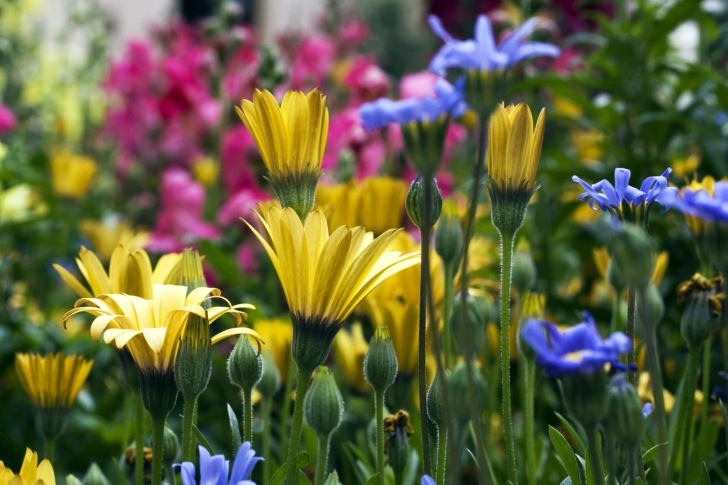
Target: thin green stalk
(157, 450)
(610, 455)
(529, 377)
(616, 323)
(476, 412)
(422, 344)
(688, 402)
(705, 384)
(446, 309)
(248, 415)
(631, 310)
(441, 455)
(596, 463)
(682, 413)
(187, 418)
(653, 364)
(170, 474)
(379, 417)
(266, 440)
(50, 449)
(302, 378)
(507, 241)
(322, 456)
(139, 440)
(631, 464)
(286, 409)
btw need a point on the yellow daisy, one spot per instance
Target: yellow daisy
(53, 380)
(31, 473)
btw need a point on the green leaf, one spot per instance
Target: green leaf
(234, 429)
(650, 454)
(374, 479)
(574, 434)
(333, 479)
(702, 448)
(412, 472)
(279, 476)
(721, 94)
(705, 476)
(563, 449)
(201, 439)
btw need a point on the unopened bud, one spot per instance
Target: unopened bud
(193, 366)
(449, 233)
(245, 366)
(624, 416)
(524, 271)
(323, 406)
(380, 363)
(72, 480)
(461, 388)
(434, 401)
(467, 325)
(425, 142)
(633, 255)
(94, 476)
(270, 382)
(586, 396)
(650, 306)
(171, 447)
(415, 203)
(615, 279)
(397, 448)
(703, 301)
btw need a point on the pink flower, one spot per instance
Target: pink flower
(240, 205)
(7, 120)
(179, 222)
(313, 60)
(238, 149)
(417, 85)
(248, 258)
(366, 79)
(352, 33)
(241, 73)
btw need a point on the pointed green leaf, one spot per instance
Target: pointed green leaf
(705, 476)
(201, 439)
(333, 479)
(563, 449)
(234, 429)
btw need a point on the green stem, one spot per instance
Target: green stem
(610, 454)
(170, 474)
(248, 415)
(286, 409)
(139, 440)
(50, 449)
(187, 441)
(446, 309)
(507, 241)
(616, 324)
(302, 378)
(529, 376)
(476, 412)
(379, 417)
(631, 310)
(596, 464)
(322, 456)
(266, 440)
(157, 449)
(688, 403)
(441, 455)
(653, 364)
(705, 384)
(631, 464)
(422, 344)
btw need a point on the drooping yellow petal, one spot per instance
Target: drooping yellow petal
(71, 281)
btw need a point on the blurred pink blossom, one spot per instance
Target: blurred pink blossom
(237, 149)
(417, 85)
(366, 80)
(241, 205)
(248, 257)
(179, 222)
(7, 119)
(352, 33)
(312, 62)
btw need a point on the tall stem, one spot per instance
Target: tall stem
(610, 453)
(379, 416)
(441, 455)
(50, 449)
(616, 323)
(631, 464)
(286, 409)
(139, 440)
(631, 310)
(248, 415)
(529, 375)
(422, 347)
(505, 352)
(653, 363)
(266, 440)
(322, 456)
(297, 425)
(687, 403)
(596, 464)
(446, 309)
(476, 412)
(705, 385)
(157, 449)
(187, 442)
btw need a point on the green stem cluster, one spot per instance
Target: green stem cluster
(653, 363)
(685, 416)
(594, 458)
(302, 378)
(248, 415)
(322, 456)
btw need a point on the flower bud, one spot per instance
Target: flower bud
(624, 420)
(171, 447)
(632, 253)
(193, 367)
(323, 406)
(425, 142)
(380, 363)
(72, 480)
(703, 302)
(415, 203)
(615, 279)
(449, 233)
(467, 326)
(524, 271)
(271, 380)
(586, 396)
(398, 430)
(650, 306)
(462, 390)
(434, 401)
(94, 476)
(245, 365)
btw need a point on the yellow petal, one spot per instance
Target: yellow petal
(71, 281)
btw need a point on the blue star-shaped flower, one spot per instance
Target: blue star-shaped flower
(704, 206)
(214, 469)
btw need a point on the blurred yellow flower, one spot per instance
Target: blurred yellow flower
(588, 144)
(339, 203)
(566, 107)
(401, 319)
(53, 380)
(683, 167)
(106, 235)
(72, 174)
(277, 334)
(31, 473)
(381, 203)
(19, 203)
(205, 170)
(349, 352)
(644, 389)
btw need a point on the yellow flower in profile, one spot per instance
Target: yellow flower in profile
(291, 139)
(381, 203)
(349, 352)
(339, 203)
(72, 174)
(682, 167)
(514, 146)
(401, 320)
(151, 328)
(106, 235)
(129, 273)
(53, 380)
(277, 334)
(31, 473)
(697, 226)
(205, 170)
(324, 276)
(644, 390)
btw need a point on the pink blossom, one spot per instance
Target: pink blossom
(241, 73)
(179, 222)
(7, 120)
(417, 85)
(366, 80)
(240, 205)
(370, 159)
(313, 60)
(352, 33)
(247, 257)
(238, 151)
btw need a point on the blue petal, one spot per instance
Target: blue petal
(720, 193)
(460, 55)
(533, 49)
(427, 480)
(621, 182)
(439, 29)
(187, 472)
(510, 43)
(534, 334)
(486, 43)
(646, 410)
(204, 457)
(245, 461)
(215, 471)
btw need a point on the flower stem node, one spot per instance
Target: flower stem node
(193, 367)
(483, 89)
(469, 332)
(435, 409)
(323, 406)
(425, 142)
(624, 420)
(159, 392)
(245, 365)
(459, 386)
(703, 306)
(380, 363)
(270, 382)
(171, 447)
(449, 233)
(633, 255)
(398, 429)
(415, 203)
(585, 394)
(296, 190)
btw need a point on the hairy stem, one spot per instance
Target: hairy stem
(596, 463)
(441, 455)
(322, 456)
(248, 415)
(379, 417)
(297, 425)
(422, 347)
(157, 449)
(687, 403)
(631, 310)
(529, 376)
(187, 417)
(507, 241)
(653, 364)
(286, 409)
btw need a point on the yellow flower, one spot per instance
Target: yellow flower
(349, 352)
(277, 334)
(205, 170)
(339, 203)
(401, 320)
(151, 328)
(19, 203)
(644, 390)
(588, 145)
(381, 203)
(291, 137)
(566, 107)
(72, 174)
(682, 167)
(602, 259)
(129, 273)
(31, 473)
(106, 235)
(53, 380)
(514, 146)
(697, 226)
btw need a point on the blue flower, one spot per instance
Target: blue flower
(427, 480)
(579, 349)
(214, 469)
(609, 198)
(702, 205)
(382, 112)
(646, 410)
(482, 53)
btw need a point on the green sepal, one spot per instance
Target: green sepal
(508, 205)
(297, 191)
